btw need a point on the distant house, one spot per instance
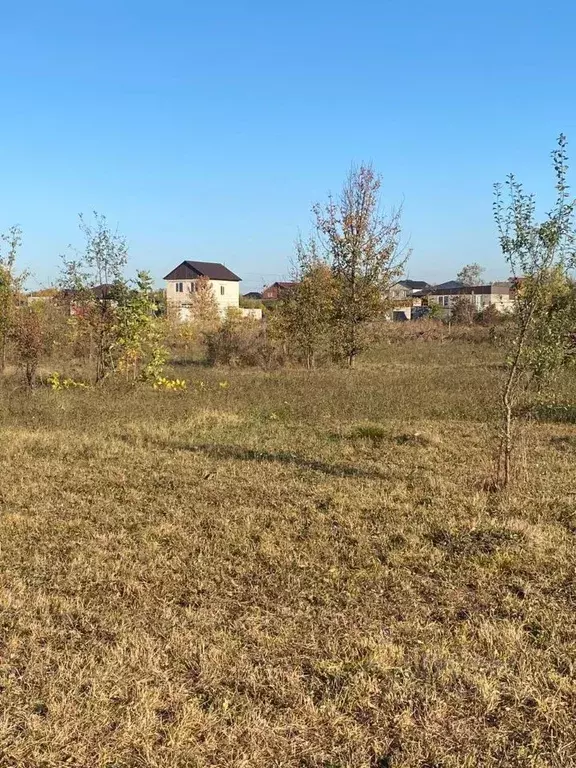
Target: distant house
(405, 288)
(46, 295)
(499, 295)
(450, 284)
(252, 296)
(181, 284)
(103, 292)
(277, 290)
(405, 295)
(72, 297)
(77, 302)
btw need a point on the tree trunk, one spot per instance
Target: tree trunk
(507, 439)
(509, 396)
(30, 374)
(100, 358)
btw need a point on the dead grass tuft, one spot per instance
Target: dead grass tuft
(415, 438)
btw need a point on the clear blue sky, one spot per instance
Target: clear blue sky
(206, 130)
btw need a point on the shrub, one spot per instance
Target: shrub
(435, 312)
(184, 339)
(304, 320)
(241, 342)
(30, 341)
(58, 382)
(431, 331)
(169, 385)
(489, 316)
(463, 311)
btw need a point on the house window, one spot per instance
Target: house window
(221, 290)
(193, 287)
(444, 300)
(179, 287)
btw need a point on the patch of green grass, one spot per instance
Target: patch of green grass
(372, 432)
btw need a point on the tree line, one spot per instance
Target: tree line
(115, 329)
(345, 269)
(343, 272)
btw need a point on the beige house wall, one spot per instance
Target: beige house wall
(502, 302)
(226, 293)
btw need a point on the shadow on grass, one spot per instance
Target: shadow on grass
(378, 435)
(564, 443)
(237, 452)
(563, 414)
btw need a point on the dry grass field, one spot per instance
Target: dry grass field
(288, 568)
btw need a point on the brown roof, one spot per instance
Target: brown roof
(280, 284)
(191, 270)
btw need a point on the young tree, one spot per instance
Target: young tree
(106, 251)
(159, 297)
(362, 246)
(137, 350)
(30, 340)
(304, 317)
(203, 305)
(10, 286)
(470, 274)
(463, 310)
(490, 316)
(435, 311)
(540, 254)
(551, 345)
(100, 265)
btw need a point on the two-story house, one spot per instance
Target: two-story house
(181, 284)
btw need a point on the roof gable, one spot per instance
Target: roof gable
(413, 285)
(191, 270)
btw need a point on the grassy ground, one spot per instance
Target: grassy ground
(296, 569)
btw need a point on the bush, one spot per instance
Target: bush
(242, 342)
(463, 311)
(489, 316)
(428, 330)
(186, 340)
(34, 338)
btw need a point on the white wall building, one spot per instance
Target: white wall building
(481, 296)
(181, 284)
